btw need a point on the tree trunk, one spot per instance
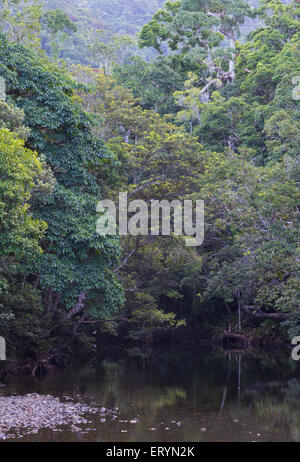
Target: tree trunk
(78, 307)
(50, 301)
(232, 62)
(127, 137)
(230, 316)
(240, 311)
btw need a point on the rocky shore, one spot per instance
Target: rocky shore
(20, 415)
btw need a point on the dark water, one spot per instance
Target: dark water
(235, 397)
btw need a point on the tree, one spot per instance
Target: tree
(11, 117)
(266, 68)
(156, 160)
(58, 24)
(21, 21)
(21, 171)
(192, 99)
(108, 53)
(251, 248)
(259, 111)
(75, 268)
(200, 27)
(155, 82)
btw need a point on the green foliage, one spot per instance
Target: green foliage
(106, 54)
(115, 18)
(11, 117)
(206, 29)
(58, 24)
(156, 161)
(154, 83)
(20, 171)
(209, 118)
(58, 21)
(258, 112)
(21, 21)
(251, 210)
(256, 262)
(75, 258)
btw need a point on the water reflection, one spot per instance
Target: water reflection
(183, 396)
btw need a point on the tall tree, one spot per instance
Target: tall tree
(75, 267)
(58, 24)
(207, 29)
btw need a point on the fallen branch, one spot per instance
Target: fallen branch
(260, 314)
(98, 321)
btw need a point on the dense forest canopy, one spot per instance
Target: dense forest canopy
(116, 16)
(185, 100)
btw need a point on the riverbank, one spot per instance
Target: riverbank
(245, 341)
(28, 414)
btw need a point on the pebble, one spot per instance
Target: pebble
(75, 429)
(30, 413)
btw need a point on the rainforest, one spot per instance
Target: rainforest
(186, 100)
(129, 330)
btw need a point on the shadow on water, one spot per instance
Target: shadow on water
(195, 395)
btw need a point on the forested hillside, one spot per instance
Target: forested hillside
(88, 31)
(192, 108)
(101, 21)
(115, 16)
